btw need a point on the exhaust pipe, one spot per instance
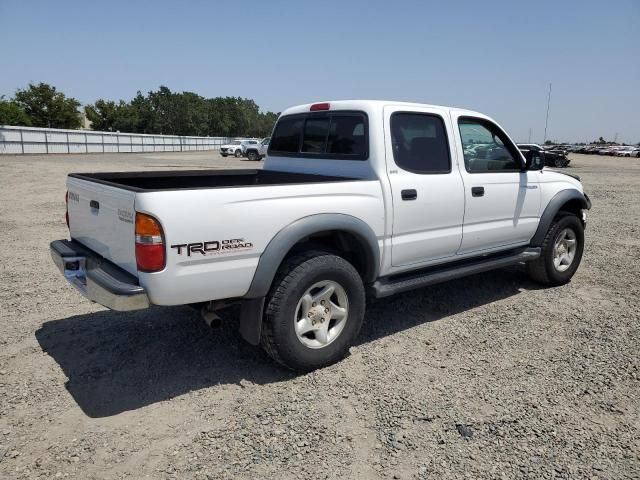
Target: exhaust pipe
(209, 315)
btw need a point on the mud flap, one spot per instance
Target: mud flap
(251, 319)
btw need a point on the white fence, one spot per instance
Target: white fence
(19, 140)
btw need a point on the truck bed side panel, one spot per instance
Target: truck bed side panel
(232, 227)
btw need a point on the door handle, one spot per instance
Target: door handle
(477, 191)
(409, 194)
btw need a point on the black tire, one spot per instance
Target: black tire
(558, 162)
(238, 153)
(252, 155)
(296, 275)
(543, 270)
(223, 154)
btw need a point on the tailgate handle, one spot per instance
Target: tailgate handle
(94, 204)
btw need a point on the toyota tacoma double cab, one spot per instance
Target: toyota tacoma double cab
(355, 197)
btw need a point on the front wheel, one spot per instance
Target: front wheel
(314, 311)
(561, 254)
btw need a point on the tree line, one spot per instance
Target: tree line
(158, 112)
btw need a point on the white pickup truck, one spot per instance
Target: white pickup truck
(259, 151)
(355, 196)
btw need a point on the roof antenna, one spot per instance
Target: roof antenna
(546, 120)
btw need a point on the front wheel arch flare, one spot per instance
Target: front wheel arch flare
(564, 200)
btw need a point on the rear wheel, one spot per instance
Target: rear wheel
(252, 155)
(314, 311)
(561, 254)
(237, 153)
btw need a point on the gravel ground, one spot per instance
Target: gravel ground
(484, 377)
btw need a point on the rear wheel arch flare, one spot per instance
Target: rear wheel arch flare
(286, 240)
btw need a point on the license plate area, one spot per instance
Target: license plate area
(75, 271)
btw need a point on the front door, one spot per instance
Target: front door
(427, 189)
(502, 205)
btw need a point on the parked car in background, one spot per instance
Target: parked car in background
(552, 158)
(231, 148)
(245, 144)
(628, 152)
(259, 151)
(237, 148)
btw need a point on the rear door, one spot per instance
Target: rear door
(427, 189)
(102, 218)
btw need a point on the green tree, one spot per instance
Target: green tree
(102, 115)
(12, 114)
(182, 113)
(48, 107)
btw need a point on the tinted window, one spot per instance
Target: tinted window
(315, 134)
(346, 135)
(339, 135)
(420, 143)
(286, 137)
(486, 148)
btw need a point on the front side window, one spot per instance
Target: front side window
(486, 148)
(327, 135)
(420, 143)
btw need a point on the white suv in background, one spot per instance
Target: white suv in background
(237, 148)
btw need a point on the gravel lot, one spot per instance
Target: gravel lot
(484, 377)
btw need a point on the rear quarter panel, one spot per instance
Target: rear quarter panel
(250, 216)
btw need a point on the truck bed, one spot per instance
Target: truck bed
(196, 179)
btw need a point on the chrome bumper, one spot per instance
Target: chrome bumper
(97, 279)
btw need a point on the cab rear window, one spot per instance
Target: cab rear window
(341, 135)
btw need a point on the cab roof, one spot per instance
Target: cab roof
(373, 105)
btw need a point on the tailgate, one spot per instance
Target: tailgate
(102, 218)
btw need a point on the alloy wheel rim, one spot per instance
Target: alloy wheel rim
(564, 250)
(321, 314)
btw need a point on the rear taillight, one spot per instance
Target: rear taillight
(66, 214)
(150, 254)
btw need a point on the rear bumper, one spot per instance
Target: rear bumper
(96, 278)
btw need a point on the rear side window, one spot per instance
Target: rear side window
(328, 135)
(420, 143)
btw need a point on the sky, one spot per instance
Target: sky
(497, 57)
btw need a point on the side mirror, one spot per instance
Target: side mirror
(534, 160)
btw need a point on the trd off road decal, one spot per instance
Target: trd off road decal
(213, 247)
